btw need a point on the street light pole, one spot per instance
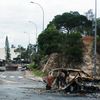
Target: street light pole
(36, 33)
(35, 28)
(42, 12)
(28, 37)
(95, 40)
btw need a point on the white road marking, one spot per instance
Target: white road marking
(12, 76)
(3, 76)
(7, 81)
(20, 76)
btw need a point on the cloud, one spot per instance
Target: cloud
(15, 14)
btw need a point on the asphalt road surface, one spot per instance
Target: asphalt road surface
(15, 86)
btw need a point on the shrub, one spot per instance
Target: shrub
(32, 66)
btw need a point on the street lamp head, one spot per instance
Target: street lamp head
(41, 9)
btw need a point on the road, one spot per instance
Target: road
(14, 85)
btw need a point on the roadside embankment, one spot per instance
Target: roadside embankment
(32, 76)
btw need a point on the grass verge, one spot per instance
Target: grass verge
(38, 73)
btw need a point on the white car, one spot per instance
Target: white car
(2, 69)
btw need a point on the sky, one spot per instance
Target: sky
(21, 20)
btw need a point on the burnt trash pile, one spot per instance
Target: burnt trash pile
(71, 81)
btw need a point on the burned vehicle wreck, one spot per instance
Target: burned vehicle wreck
(71, 81)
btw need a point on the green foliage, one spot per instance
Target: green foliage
(74, 48)
(63, 35)
(29, 52)
(73, 39)
(50, 41)
(74, 55)
(32, 66)
(22, 52)
(70, 45)
(39, 73)
(73, 22)
(26, 53)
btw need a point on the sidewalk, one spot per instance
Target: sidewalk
(30, 75)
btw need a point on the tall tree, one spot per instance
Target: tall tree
(7, 50)
(50, 40)
(25, 53)
(55, 41)
(73, 22)
(89, 14)
(31, 49)
(22, 52)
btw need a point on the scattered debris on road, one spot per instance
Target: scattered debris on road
(71, 81)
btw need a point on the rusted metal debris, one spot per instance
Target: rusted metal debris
(71, 80)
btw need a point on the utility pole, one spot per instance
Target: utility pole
(95, 41)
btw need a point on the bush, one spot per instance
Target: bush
(32, 66)
(39, 73)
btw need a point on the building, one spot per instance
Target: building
(13, 54)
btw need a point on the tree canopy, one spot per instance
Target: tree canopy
(50, 40)
(73, 22)
(25, 53)
(54, 41)
(64, 35)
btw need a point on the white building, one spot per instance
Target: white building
(13, 54)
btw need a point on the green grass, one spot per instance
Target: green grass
(39, 73)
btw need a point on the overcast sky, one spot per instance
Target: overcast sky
(16, 14)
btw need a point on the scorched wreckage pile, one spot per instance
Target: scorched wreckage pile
(71, 80)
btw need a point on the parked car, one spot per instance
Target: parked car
(2, 69)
